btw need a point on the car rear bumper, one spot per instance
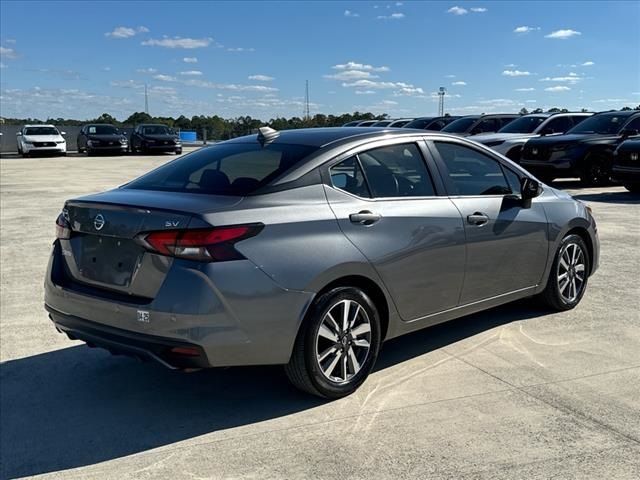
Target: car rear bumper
(162, 148)
(232, 310)
(170, 353)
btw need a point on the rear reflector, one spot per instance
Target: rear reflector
(186, 351)
(209, 245)
(63, 229)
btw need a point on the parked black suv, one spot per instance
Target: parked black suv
(585, 151)
(475, 124)
(626, 165)
(431, 123)
(147, 138)
(101, 137)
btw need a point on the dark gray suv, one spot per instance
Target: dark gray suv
(309, 248)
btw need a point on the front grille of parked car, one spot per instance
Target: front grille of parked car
(44, 144)
(536, 153)
(625, 159)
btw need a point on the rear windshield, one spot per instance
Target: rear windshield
(523, 125)
(41, 131)
(235, 169)
(460, 126)
(605, 123)
(102, 130)
(156, 130)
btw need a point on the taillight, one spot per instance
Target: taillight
(63, 229)
(208, 245)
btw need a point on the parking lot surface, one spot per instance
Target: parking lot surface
(514, 392)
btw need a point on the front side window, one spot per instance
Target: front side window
(604, 123)
(523, 125)
(486, 125)
(633, 124)
(396, 171)
(470, 172)
(347, 176)
(227, 169)
(557, 125)
(460, 125)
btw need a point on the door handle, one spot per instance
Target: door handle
(477, 218)
(365, 217)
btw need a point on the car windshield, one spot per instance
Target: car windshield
(608, 123)
(156, 130)
(234, 169)
(103, 130)
(419, 123)
(41, 131)
(399, 123)
(459, 126)
(523, 125)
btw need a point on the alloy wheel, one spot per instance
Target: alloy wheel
(571, 272)
(343, 341)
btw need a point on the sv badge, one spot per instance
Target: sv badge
(172, 223)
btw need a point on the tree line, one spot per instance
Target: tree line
(218, 128)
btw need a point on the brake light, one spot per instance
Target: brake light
(63, 229)
(208, 245)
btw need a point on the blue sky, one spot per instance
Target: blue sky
(80, 59)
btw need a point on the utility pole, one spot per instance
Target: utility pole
(146, 100)
(441, 93)
(307, 112)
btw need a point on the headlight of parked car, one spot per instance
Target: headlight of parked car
(123, 141)
(60, 141)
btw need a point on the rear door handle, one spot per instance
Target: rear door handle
(364, 217)
(478, 218)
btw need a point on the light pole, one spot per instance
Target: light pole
(441, 93)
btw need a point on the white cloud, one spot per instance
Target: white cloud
(588, 64)
(364, 92)
(458, 10)
(261, 78)
(196, 82)
(531, 101)
(393, 16)
(349, 13)
(191, 73)
(498, 102)
(178, 42)
(399, 4)
(164, 78)
(388, 102)
(479, 10)
(525, 29)
(359, 66)
(529, 89)
(350, 75)
(571, 78)
(240, 49)
(557, 88)
(6, 52)
(511, 65)
(515, 73)
(146, 70)
(449, 76)
(459, 83)
(126, 32)
(563, 34)
(126, 84)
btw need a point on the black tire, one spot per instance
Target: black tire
(179, 151)
(596, 172)
(632, 187)
(304, 370)
(552, 296)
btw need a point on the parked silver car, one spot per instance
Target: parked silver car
(309, 248)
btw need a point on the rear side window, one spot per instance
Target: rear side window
(347, 176)
(396, 171)
(470, 172)
(633, 124)
(486, 125)
(235, 169)
(558, 125)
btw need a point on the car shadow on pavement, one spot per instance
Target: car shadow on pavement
(78, 406)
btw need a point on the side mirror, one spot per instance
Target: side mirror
(628, 132)
(546, 131)
(63, 133)
(529, 188)
(18, 134)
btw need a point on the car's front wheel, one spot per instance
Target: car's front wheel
(337, 345)
(596, 172)
(569, 275)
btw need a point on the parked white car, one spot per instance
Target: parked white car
(510, 139)
(41, 139)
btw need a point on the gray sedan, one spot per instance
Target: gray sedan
(309, 248)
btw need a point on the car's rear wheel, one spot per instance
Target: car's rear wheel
(569, 275)
(337, 345)
(596, 172)
(178, 151)
(632, 187)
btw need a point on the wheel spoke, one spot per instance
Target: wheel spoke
(333, 322)
(574, 256)
(580, 267)
(326, 333)
(361, 330)
(563, 276)
(345, 315)
(327, 352)
(361, 343)
(563, 263)
(564, 285)
(355, 316)
(355, 365)
(329, 370)
(572, 290)
(344, 366)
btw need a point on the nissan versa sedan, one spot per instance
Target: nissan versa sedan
(309, 248)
